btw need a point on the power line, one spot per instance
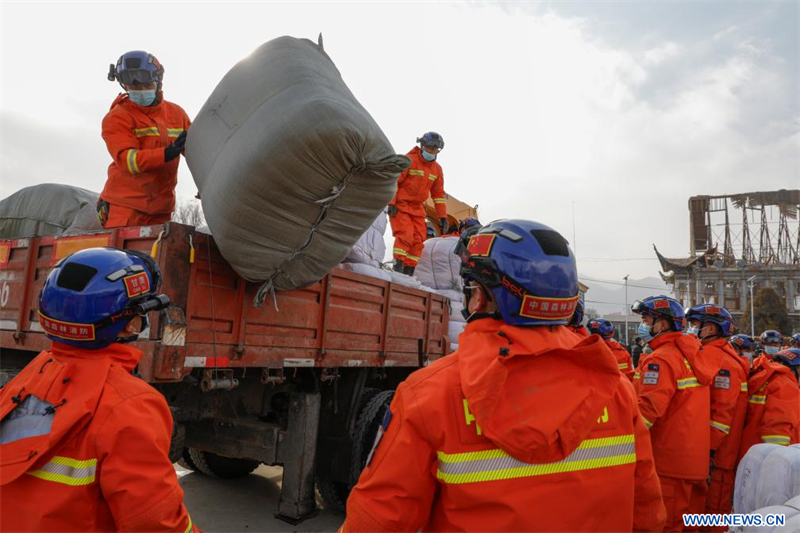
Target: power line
(614, 260)
(612, 282)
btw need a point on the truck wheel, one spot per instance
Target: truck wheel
(333, 493)
(176, 444)
(186, 460)
(369, 420)
(215, 465)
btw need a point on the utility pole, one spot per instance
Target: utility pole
(626, 309)
(752, 318)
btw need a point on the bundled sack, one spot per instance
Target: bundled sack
(748, 473)
(367, 270)
(439, 266)
(370, 249)
(291, 169)
(48, 209)
(779, 479)
(787, 512)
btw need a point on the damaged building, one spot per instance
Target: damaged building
(737, 240)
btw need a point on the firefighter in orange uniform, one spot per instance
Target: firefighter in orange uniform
(773, 407)
(771, 343)
(526, 427)
(713, 325)
(672, 383)
(145, 136)
(604, 328)
(85, 443)
(406, 212)
(575, 324)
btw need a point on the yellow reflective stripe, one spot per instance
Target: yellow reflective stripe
(147, 132)
(686, 363)
(744, 386)
(432, 177)
(189, 527)
(637, 375)
(174, 132)
(438, 200)
(776, 439)
(647, 422)
(491, 465)
(416, 172)
(67, 471)
(414, 257)
(688, 383)
(622, 366)
(133, 168)
(758, 399)
(398, 251)
(720, 426)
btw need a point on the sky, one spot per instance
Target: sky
(599, 119)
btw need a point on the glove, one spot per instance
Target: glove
(443, 222)
(391, 211)
(176, 148)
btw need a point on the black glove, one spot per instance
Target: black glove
(443, 222)
(176, 148)
(391, 211)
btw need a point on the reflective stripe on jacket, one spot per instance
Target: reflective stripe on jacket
(417, 182)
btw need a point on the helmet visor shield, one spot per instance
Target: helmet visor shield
(638, 307)
(136, 77)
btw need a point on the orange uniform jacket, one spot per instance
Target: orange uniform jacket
(136, 136)
(416, 183)
(102, 465)
(728, 402)
(624, 361)
(773, 408)
(490, 439)
(674, 398)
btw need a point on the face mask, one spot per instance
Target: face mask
(645, 332)
(749, 355)
(691, 330)
(771, 350)
(143, 98)
(428, 157)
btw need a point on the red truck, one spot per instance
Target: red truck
(301, 382)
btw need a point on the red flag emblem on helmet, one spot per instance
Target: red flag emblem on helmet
(661, 304)
(481, 245)
(67, 330)
(713, 311)
(137, 284)
(548, 308)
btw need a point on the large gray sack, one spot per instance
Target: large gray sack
(291, 169)
(48, 209)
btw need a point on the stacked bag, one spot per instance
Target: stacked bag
(291, 169)
(439, 269)
(768, 482)
(48, 209)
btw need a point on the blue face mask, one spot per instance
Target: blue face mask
(143, 98)
(428, 157)
(771, 350)
(692, 330)
(645, 332)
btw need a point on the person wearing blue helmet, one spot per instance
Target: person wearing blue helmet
(672, 384)
(771, 344)
(745, 346)
(526, 427)
(794, 340)
(604, 328)
(713, 325)
(145, 135)
(575, 323)
(790, 358)
(90, 440)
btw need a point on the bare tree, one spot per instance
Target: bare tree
(189, 212)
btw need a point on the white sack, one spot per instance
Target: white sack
(370, 249)
(439, 266)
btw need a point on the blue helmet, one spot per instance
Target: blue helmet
(789, 357)
(771, 336)
(794, 341)
(89, 297)
(602, 327)
(136, 67)
(431, 139)
(467, 223)
(662, 307)
(576, 320)
(528, 268)
(742, 343)
(712, 313)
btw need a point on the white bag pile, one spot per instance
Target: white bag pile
(768, 482)
(370, 248)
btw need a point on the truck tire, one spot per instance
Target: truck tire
(335, 493)
(215, 465)
(369, 420)
(176, 444)
(186, 460)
